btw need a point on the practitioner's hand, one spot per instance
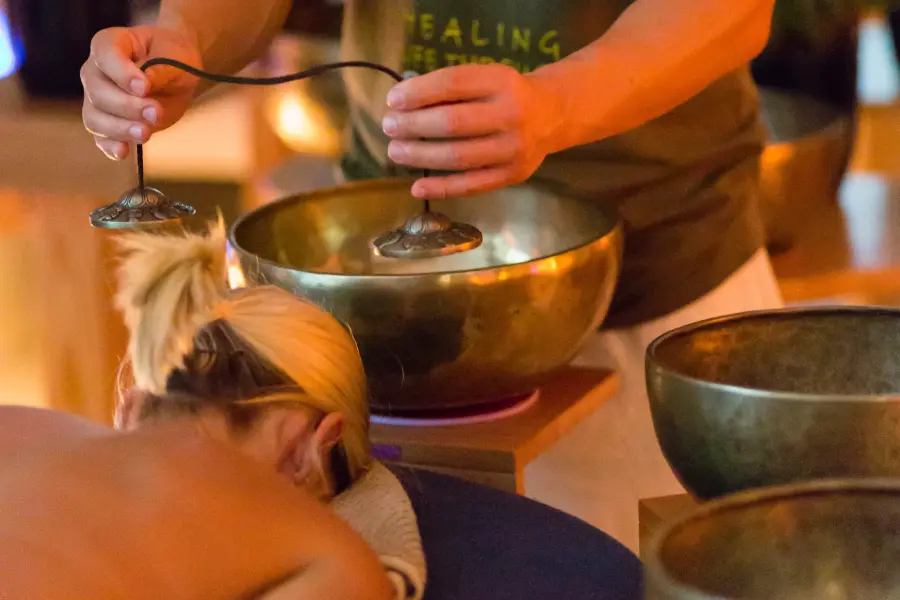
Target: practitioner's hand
(490, 122)
(122, 104)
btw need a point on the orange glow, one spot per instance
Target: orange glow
(777, 154)
(486, 278)
(552, 264)
(563, 262)
(302, 125)
(236, 277)
(549, 265)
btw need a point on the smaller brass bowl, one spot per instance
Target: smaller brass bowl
(777, 397)
(827, 540)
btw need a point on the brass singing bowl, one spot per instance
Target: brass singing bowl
(803, 163)
(449, 332)
(777, 397)
(828, 540)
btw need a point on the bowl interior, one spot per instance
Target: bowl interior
(828, 352)
(823, 545)
(331, 231)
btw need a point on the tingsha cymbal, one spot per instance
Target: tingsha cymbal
(140, 207)
(428, 235)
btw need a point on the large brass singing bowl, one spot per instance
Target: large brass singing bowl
(829, 540)
(454, 331)
(776, 397)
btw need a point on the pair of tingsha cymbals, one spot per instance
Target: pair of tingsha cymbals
(428, 234)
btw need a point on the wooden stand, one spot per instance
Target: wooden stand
(655, 513)
(495, 453)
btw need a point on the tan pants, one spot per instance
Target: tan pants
(612, 459)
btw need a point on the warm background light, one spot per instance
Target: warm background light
(302, 124)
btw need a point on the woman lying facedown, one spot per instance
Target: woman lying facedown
(247, 415)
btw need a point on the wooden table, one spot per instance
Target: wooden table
(495, 453)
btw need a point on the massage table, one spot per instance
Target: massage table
(485, 544)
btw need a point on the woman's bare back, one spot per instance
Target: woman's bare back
(86, 512)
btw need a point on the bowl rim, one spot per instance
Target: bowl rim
(653, 365)
(613, 235)
(657, 572)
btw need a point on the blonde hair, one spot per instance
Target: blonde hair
(173, 287)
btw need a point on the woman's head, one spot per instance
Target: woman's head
(283, 375)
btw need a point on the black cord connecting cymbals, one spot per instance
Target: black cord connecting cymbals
(425, 235)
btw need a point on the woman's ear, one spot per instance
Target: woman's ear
(329, 433)
(307, 455)
(128, 408)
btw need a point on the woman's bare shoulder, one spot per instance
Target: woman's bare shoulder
(23, 426)
(13, 414)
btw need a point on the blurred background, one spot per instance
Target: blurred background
(831, 199)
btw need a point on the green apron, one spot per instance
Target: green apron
(685, 183)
